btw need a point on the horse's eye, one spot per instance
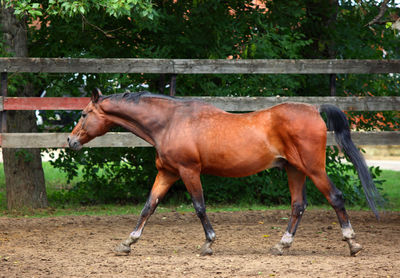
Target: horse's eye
(84, 115)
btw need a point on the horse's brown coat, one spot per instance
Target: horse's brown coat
(193, 138)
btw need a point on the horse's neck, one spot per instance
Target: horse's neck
(143, 119)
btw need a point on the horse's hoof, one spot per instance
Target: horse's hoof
(355, 249)
(276, 250)
(122, 250)
(206, 250)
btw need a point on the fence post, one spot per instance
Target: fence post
(333, 84)
(172, 88)
(4, 94)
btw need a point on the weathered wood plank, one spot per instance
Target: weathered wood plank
(125, 139)
(370, 138)
(197, 66)
(344, 103)
(46, 103)
(59, 140)
(225, 103)
(4, 92)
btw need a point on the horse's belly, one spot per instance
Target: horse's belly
(229, 166)
(239, 154)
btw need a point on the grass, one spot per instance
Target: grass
(111, 209)
(391, 188)
(56, 180)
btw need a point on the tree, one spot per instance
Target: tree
(25, 183)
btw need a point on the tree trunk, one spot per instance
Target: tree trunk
(25, 184)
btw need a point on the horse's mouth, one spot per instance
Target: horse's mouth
(74, 144)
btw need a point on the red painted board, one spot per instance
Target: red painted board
(45, 103)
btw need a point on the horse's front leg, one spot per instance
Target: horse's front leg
(163, 182)
(191, 178)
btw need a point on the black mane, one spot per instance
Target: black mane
(136, 97)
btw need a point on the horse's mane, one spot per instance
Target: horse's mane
(135, 97)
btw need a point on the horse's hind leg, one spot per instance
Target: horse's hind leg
(191, 179)
(163, 182)
(297, 188)
(335, 198)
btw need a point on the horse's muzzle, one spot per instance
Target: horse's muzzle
(74, 143)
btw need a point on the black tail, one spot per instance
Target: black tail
(337, 122)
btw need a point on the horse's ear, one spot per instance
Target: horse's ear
(96, 93)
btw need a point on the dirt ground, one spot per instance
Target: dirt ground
(81, 246)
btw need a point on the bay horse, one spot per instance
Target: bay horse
(193, 138)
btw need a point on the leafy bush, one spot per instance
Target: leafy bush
(109, 175)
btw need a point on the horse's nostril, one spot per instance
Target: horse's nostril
(68, 139)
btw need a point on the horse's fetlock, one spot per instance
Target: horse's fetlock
(133, 238)
(211, 236)
(348, 233)
(287, 240)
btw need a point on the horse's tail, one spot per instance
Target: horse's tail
(337, 122)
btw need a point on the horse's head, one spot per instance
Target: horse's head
(92, 123)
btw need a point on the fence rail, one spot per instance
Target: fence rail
(127, 139)
(198, 66)
(238, 104)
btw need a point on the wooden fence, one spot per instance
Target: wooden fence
(184, 66)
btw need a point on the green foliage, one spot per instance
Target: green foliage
(267, 187)
(120, 176)
(69, 8)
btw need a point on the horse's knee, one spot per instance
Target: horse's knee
(299, 208)
(149, 206)
(146, 208)
(200, 208)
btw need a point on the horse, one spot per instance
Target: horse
(193, 138)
